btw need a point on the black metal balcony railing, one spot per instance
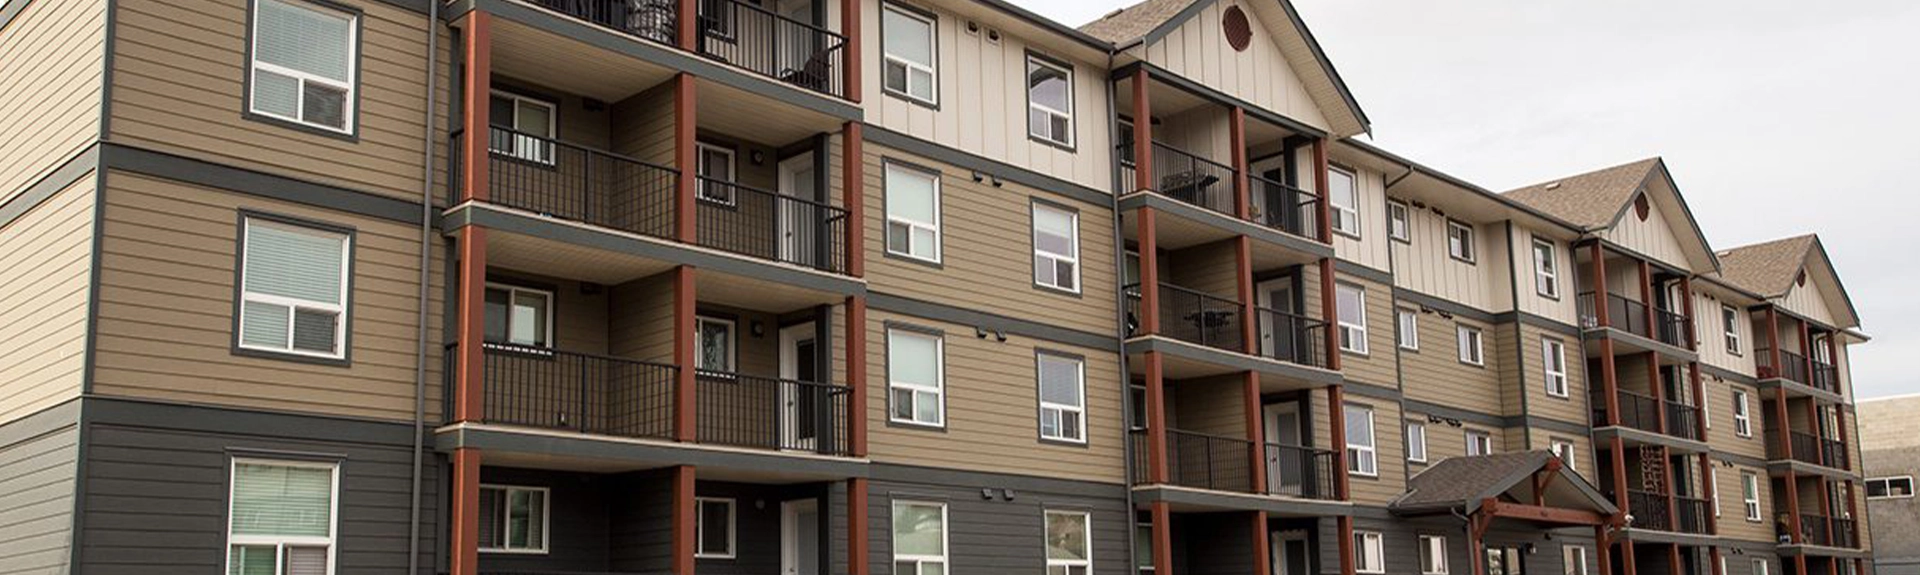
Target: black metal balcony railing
(1185, 177)
(1846, 533)
(569, 182)
(1648, 510)
(1813, 530)
(1836, 454)
(1291, 337)
(1636, 411)
(769, 225)
(1806, 447)
(771, 45)
(769, 413)
(1691, 515)
(1793, 366)
(547, 388)
(1191, 316)
(1296, 471)
(1673, 329)
(1622, 314)
(1198, 460)
(1683, 421)
(1285, 208)
(654, 20)
(1825, 377)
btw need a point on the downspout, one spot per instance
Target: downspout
(1120, 321)
(426, 276)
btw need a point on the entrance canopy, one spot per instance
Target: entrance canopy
(1530, 486)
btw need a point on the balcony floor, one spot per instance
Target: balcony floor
(535, 448)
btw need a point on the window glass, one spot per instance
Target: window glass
(293, 289)
(1742, 420)
(1062, 398)
(518, 316)
(1564, 450)
(1398, 225)
(1730, 319)
(1345, 200)
(913, 213)
(1069, 551)
(303, 60)
(1459, 241)
(513, 519)
(1049, 101)
(1351, 304)
(1470, 345)
(280, 516)
(1479, 443)
(1546, 271)
(1361, 455)
(714, 527)
(716, 340)
(1416, 442)
(1554, 363)
(1056, 247)
(1369, 553)
(1575, 559)
(1750, 494)
(716, 168)
(919, 538)
(1433, 555)
(531, 125)
(1409, 321)
(909, 63)
(914, 377)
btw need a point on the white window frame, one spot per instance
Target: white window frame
(349, 108)
(1086, 530)
(700, 323)
(1399, 222)
(1346, 219)
(1353, 336)
(1566, 451)
(700, 530)
(1408, 323)
(281, 543)
(528, 147)
(293, 305)
(1461, 249)
(1432, 555)
(1479, 441)
(1750, 494)
(704, 192)
(512, 292)
(506, 518)
(1761, 567)
(1574, 558)
(1554, 353)
(1730, 328)
(1546, 270)
(1742, 415)
(1713, 477)
(891, 170)
(1053, 259)
(1888, 486)
(946, 548)
(932, 69)
(1363, 460)
(1471, 339)
(1032, 106)
(940, 372)
(1059, 410)
(1369, 553)
(1416, 442)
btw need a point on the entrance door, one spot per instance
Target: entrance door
(1286, 468)
(800, 537)
(1287, 553)
(1278, 337)
(801, 394)
(797, 218)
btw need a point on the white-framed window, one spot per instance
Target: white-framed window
(293, 295)
(1069, 543)
(1760, 567)
(303, 64)
(1063, 397)
(282, 517)
(1742, 418)
(1713, 478)
(1351, 305)
(1409, 328)
(913, 212)
(1362, 455)
(1706, 406)
(1142, 554)
(916, 377)
(1553, 360)
(1056, 247)
(1416, 442)
(514, 519)
(1574, 557)
(1479, 443)
(1049, 100)
(715, 165)
(1344, 196)
(1546, 270)
(713, 528)
(1460, 241)
(1369, 552)
(919, 538)
(1730, 327)
(518, 316)
(1897, 487)
(1750, 494)
(1471, 341)
(1564, 450)
(1433, 555)
(718, 343)
(531, 123)
(910, 67)
(1399, 222)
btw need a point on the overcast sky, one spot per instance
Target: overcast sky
(1776, 117)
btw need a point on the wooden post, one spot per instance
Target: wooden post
(463, 557)
(1784, 430)
(1686, 308)
(1599, 257)
(1673, 559)
(1162, 533)
(1156, 419)
(1620, 487)
(1337, 419)
(476, 102)
(853, 193)
(1323, 183)
(1256, 431)
(1330, 312)
(685, 342)
(470, 375)
(686, 25)
(850, 14)
(1773, 343)
(1262, 561)
(856, 376)
(1646, 299)
(1237, 134)
(1149, 274)
(1793, 507)
(1142, 132)
(1826, 509)
(683, 510)
(686, 123)
(857, 561)
(1243, 285)
(1659, 393)
(1343, 525)
(1604, 555)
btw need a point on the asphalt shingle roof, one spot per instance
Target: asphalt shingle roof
(1589, 200)
(1766, 268)
(1130, 23)
(1461, 480)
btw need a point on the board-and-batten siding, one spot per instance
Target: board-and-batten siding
(1560, 308)
(1710, 325)
(986, 250)
(49, 86)
(167, 301)
(992, 403)
(1261, 75)
(1422, 263)
(1809, 300)
(1435, 374)
(983, 101)
(1368, 247)
(1651, 237)
(38, 477)
(178, 75)
(47, 254)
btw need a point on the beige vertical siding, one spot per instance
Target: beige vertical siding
(992, 409)
(179, 68)
(1810, 301)
(1205, 131)
(1711, 327)
(1369, 248)
(1560, 309)
(1261, 75)
(1377, 366)
(987, 250)
(1423, 264)
(50, 87)
(1572, 408)
(1389, 441)
(1435, 373)
(166, 307)
(1651, 237)
(47, 255)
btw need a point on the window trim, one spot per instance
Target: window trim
(1750, 495)
(700, 533)
(1399, 214)
(1713, 477)
(1761, 567)
(733, 345)
(1554, 351)
(1359, 330)
(1435, 548)
(946, 543)
(1086, 530)
(1888, 481)
(1369, 548)
(1479, 347)
(553, 125)
(356, 40)
(332, 540)
(700, 149)
(1345, 213)
(940, 373)
(512, 289)
(933, 44)
(343, 338)
(1572, 455)
(1549, 273)
(1742, 414)
(546, 518)
(1080, 380)
(1073, 221)
(1369, 454)
(1467, 252)
(1065, 68)
(1416, 435)
(887, 169)
(1566, 557)
(1478, 437)
(1730, 333)
(1407, 328)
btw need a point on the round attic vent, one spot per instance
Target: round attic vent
(1239, 30)
(1640, 206)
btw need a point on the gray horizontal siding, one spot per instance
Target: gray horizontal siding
(990, 536)
(1400, 539)
(36, 502)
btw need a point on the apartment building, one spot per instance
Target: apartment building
(869, 286)
(1887, 458)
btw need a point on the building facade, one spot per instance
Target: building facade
(855, 287)
(1890, 458)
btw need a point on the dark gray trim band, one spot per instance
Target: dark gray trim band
(1651, 536)
(1640, 342)
(1738, 459)
(899, 473)
(1805, 469)
(1819, 551)
(237, 421)
(1175, 22)
(1458, 309)
(1725, 374)
(1227, 501)
(966, 160)
(1234, 361)
(60, 416)
(242, 180)
(1231, 224)
(1345, 267)
(990, 321)
(1463, 415)
(1363, 389)
(76, 167)
(1648, 437)
(643, 453)
(1798, 389)
(1539, 321)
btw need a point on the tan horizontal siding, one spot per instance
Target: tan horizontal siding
(47, 255)
(1213, 406)
(1733, 522)
(1435, 374)
(1377, 366)
(1389, 441)
(1212, 269)
(166, 308)
(50, 87)
(1572, 408)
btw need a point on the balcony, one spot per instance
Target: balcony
(1692, 514)
(771, 226)
(1648, 510)
(1673, 329)
(745, 36)
(1793, 366)
(1683, 421)
(1828, 531)
(1193, 317)
(1631, 316)
(1812, 450)
(1218, 463)
(1190, 179)
(1643, 412)
(1289, 337)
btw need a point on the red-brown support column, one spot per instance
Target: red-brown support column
(857, 560)
(853, 194)
(1343, 526)
(1323, 184)
(686, 25)
(686, 123)
(1793, 508)
(1609, 379)
(1330, 311)
(1142, 132)
(1686, 308)
(1237, 136)
(857, 375)
(685, 387)
(1659, 393)
(1673, 559)
(1476, 554)
(1602, 544)
(1627, 563)
(683, 521)
(850, 53)
(476, 99)
(1243, 285)
(1672, 491)
(1800, 564)
(470, 376)
(1853, 515)
(1646, 298)
(1162, 533)
(1262, 562)
(464, 538)
(1156, 418)
(1806, 350)
(1149, 247)
(1713, 560)
(1783, 431)
(1256, 432)
(1337, 419)
(1773, 342)
(1619, 461)
(1600, 283)
(1813, 428)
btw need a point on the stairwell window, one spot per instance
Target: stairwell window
(714, 526)
(282, 517)
(1554, 362)
(910, 67)
(1409, 328)
(513, 519)
(1069, 543)
(913, 212)
(1479, 443)
(1471, 344)
(293, 288)
(518, 316)
(1063, 398)
(1344, 195)
(304, 60)
(1460, 241)
(1730, 327)
(1056, 248)
(1369, 552)
(524, 127)
(1750, 494)
(1399, 224)
(916, 378)
(1742, 419)
(1049, 100)
(1563, 449)
(1351, 305)
(919, 538)
(1713, 478)
(1362, 457)
(1433, 555)
(1546, 271)
(1416, 442)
